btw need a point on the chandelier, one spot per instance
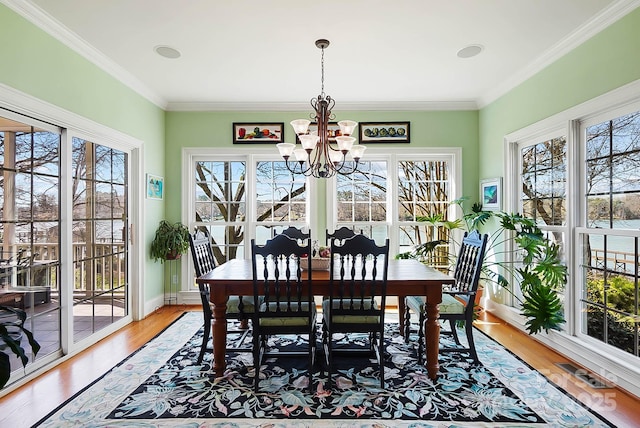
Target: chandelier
(319, 157)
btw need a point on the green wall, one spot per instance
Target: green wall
(214, 129)
(39, 65)
(607, 61)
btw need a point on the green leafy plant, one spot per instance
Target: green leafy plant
(520, 255)
(11, 333)
(171, 241)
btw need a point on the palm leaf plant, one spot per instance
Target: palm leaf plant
(520, 256)
(11, 331)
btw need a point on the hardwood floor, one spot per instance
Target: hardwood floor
(31, 402)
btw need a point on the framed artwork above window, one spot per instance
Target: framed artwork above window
(384, 132)
(258, 133)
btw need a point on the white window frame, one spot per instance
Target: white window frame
(591, 353)
(514, 144)
(581, 224)
(273, 155)
(453, 155)
(190, 155)
(72, 124)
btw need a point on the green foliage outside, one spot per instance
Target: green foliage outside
(621, 326)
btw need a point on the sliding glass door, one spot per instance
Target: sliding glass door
(64, 237)
(100, 228)
(30, 228)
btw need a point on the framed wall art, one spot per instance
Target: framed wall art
(155, 187)
(491, 194)
(384, 132)
(258, 133)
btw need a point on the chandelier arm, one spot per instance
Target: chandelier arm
(294, 169)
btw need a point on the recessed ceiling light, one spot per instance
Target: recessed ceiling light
(167, 52)
(469, 51)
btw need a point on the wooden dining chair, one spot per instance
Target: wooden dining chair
(458, 301)
(296, 233)
(237, 308)
(287, 305)
(357, 298)
(340, 234)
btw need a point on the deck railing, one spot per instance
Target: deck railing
(621, 261)
(97, 269)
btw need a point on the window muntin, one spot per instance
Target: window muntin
(361, 199)
(220, 203)
(281, 199)
(542, 187)
(100, 236)
(424, 191)
(30, 231)
(609, 298)
(280, 195)
(277, 198)
(613, 172)
(544, 179)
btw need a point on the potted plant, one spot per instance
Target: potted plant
(11, 333)
(521, 255)
(170, 242)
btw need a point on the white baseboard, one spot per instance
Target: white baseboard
(153, 305)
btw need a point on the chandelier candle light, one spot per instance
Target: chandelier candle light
(317, 157)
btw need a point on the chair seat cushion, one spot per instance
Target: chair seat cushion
(415, 303)
(288, 320)
(351, 319)
(449, 305)
(234, 302)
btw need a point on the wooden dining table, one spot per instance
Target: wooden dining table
(405, 278)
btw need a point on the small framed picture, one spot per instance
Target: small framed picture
(491, 194)
(384, 132)
(258, 133)
(155, 187)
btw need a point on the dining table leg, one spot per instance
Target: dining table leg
(432, 330)
(219, 329)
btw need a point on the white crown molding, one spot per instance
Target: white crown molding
(15, 100)
(47, 23)
(53, 27)
(344, 106)
(604, 19)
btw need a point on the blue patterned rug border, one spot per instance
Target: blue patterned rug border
(550, 381)
(95, 406)
(108, 372)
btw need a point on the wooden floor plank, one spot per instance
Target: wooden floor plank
(28, 404)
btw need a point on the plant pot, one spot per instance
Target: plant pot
(479, 294)
(173, 256)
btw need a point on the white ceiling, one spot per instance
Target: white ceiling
(244, 54)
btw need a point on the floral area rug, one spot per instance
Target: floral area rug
(162, 386)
